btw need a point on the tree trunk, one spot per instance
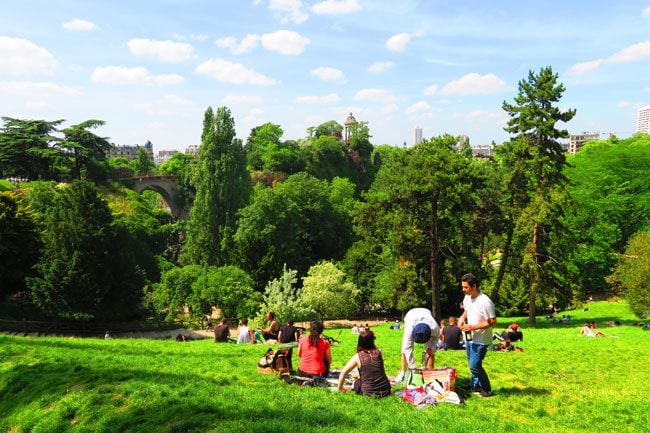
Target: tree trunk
(534, 275)
(502, 267)
(434, 259)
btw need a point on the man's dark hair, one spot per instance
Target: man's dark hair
(470, 279)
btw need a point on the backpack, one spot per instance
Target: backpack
(274, 362)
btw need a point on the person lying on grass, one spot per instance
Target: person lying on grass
(588, 332)
(372, 375)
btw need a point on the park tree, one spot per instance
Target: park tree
(417, 211)
(632, 274)
(610, 202)
(142, 164)
(328, 293)
(85, 150)
(283, 296)
(222, 186)
(536, 160)
(297, 222)
(83, 273)
(28, 148)
(227, 288)
(19, 244)
(325, 158)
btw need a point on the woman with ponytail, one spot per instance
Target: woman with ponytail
(315, 353)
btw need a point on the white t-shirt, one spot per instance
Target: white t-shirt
(244, 335)
(412, 318)
(479, 309)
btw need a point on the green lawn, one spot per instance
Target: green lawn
(560, 383)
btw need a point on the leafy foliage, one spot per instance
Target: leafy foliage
(222, 188)
(19, 244)
(632, 273)
(326, 291)
(284, 298)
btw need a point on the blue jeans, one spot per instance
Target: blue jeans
(475, 355)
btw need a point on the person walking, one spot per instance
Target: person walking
(477, 321)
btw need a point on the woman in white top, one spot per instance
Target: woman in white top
(246, 334)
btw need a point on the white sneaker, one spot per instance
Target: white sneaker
(400, 377)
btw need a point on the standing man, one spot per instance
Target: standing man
(477, 321)
(419, 327)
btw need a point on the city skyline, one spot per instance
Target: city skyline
(149, 69)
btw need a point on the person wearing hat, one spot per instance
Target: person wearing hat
(419, 327)
(477, 321)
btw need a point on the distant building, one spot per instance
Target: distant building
(643, 119)
(576, 141)
(164, 156)
(350, 122)
(130, 152)
(482, 151)
(418, 136)
(192, 150)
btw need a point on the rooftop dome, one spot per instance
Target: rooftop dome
(350, 120)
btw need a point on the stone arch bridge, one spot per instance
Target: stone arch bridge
(165, 185)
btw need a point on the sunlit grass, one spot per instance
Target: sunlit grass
(561, 382)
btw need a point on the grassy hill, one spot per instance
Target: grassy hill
(561, 382)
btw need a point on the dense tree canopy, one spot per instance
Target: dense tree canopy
(222, 188)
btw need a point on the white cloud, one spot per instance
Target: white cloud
(398, 42)
(479, 115)
(254, 117)
(168, 51)
(23, 57)
(379, 67)
(331, 7)
(248, 43)
(646, 12)
(80, 25)
(431, 90)
(231, 99)
(389, 109)
(235, 73)
(631, 53)
(475, 84)
(285, 42)
(623, 104)
(289, 10)
(374, 95)
(646, 89)
(327, 99)
(326, 73)
(581, 68)
(37, 90)
(119, 75)
(177, 100)
(418, 107)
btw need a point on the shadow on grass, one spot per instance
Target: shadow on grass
(463, 390)
(113, 399)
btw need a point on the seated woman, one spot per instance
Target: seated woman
(372, 376)
(588, 332)
(315, 353)
(245, 334)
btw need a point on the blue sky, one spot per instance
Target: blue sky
(150, 68)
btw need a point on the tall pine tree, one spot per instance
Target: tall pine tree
(223, 186)
(535, 160)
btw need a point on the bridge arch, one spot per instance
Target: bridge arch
(164, 185)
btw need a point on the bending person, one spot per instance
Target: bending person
(419, 327)
(370, 363)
